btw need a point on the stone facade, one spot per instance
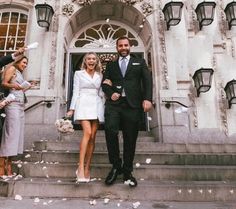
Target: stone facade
(173, 56)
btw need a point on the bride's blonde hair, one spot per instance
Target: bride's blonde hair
(98, 66)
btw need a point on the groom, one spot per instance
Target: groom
(127, 84)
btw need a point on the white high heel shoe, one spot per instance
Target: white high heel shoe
(81, 180)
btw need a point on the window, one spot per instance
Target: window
(103, 36)
(13, 27)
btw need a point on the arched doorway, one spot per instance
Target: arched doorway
(101, 37)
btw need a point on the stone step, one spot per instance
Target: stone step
(100, 136)
(99, 146)
(73, 145)
(146, 190)
(140, 157)
(157, 172)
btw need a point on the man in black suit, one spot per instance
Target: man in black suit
(127, 84)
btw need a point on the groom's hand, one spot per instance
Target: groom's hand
(115, 96)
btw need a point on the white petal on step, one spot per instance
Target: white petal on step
(92, 202)
(44, 168)
(118, 204)
(93, 179)
(27, 156)
(136, 204)
(47, 176)
(106, 200)
(19, 165)
(58, 181)
(50, 201)
(45, 203)
(137, 165)
(64, 199)
(36, 200)
(148, 160)
(142, 179)
(18, 197)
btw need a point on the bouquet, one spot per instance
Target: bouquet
(64, 125)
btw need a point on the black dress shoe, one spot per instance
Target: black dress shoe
(130, 180)
(111, 178)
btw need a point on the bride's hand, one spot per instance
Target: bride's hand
(108, 82)
(69, 113)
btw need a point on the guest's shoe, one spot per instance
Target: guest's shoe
(112, 176)
(130, 180)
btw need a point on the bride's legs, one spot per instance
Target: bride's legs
(83, 146)
(90, 148)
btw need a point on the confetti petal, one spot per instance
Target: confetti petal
(148, 160)
(136, 204)
(18, 197)
(106, 200)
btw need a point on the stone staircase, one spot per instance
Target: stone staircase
(177, 172)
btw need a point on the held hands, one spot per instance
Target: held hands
(115, 96)
(147, 105)
(69, 113)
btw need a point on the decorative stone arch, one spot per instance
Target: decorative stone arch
(116, 11)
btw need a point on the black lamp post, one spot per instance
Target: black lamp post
(230, 90)
(172, 12)
(230, 11)
(205, 13)
(202, 79)
(44, 14)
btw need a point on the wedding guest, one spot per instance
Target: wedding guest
(13, 128)
(128, 93)
(88, 109)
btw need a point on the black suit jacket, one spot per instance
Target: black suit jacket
(5, 60)
(137, 82)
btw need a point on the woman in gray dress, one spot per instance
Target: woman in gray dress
(13, 129)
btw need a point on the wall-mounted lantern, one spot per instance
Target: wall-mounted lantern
(205, 13)
(172, 12)
(202, 79)
(230, 12)
(230, 90)
(44, 13)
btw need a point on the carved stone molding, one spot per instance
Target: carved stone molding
(53, 58)
(68, 9)
(146, 6)
(192, 98)
(162, 52)
(222, 19)
(223, 109)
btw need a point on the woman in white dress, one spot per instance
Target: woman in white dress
(87, 106)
